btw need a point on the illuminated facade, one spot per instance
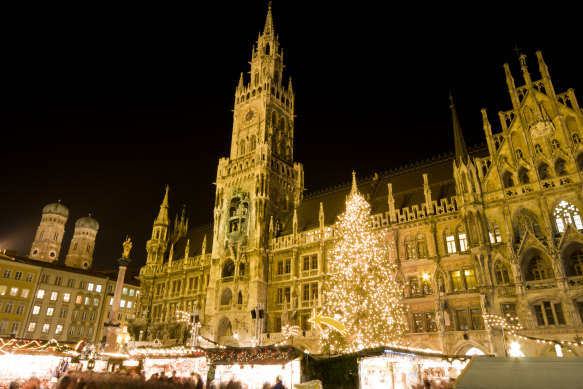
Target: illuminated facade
(495, 230)
(17, 283)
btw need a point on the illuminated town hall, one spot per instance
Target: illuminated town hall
(490, 231)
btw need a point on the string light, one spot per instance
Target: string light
(511, 325)
(35, 345)
(361, 287)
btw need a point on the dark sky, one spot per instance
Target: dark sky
(105, 105)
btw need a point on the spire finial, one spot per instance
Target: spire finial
(268, 21)
(163, 214)
(461, 152)
(354, 188)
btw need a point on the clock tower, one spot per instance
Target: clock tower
(257, 188)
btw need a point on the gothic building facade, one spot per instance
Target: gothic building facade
(493, 231)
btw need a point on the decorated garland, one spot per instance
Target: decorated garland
(12, 345)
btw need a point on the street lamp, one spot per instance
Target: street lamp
(257, 315)
(192, 320)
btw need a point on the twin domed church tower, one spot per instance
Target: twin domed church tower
(49, 236)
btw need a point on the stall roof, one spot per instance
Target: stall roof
(529, 372)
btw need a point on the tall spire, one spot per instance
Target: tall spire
(163, 214)
(268, 29)
(461, 152)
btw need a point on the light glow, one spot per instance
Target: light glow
(361, 287)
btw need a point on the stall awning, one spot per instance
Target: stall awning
(529, 372)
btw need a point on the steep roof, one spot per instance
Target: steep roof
(194, 237)
(407, 185)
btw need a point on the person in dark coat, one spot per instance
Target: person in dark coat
(278, 383)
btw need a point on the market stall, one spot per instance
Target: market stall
(183, 360)
(399, 368)
(253, 367)
(20, 360)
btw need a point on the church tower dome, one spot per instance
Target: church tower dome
(49, 235)
(83, 243)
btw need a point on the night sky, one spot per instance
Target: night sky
(104, 106)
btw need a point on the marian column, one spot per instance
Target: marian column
(112, 326)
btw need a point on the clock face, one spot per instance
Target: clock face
(249, 115)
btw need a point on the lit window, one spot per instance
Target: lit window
(129, 304)
(111, 301)
(124, 291)
(54, 296)
(3, 289)
(122, 303)
(90, 286)
(14, 292)
(66, 297)
(566, 213)
(24, 293)
(131, 292)
(456, 280)
(59, 329)
(98, 288)
(36, 310)
(463, 242)
(50, 311)
(494, 232)
(421, 246)
(40, 294)
(46, 328)
(470, 276)
(450, 240)
(31, 326)
(409, 248)
(95, 302)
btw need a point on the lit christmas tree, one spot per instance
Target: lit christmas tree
(362, 292)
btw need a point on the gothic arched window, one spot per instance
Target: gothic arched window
(543, 171)
(226, 297)
(241, 147)
(494, 232)
(462, 238)
(538, 269)
(409, 247)
(228, 269)
(523, 176)
(566, 213)
(501, 273)
(507, 179)
(421, 246)
(527, 221)
(450, 241)
(252, 143)
(241, 269)
(576, 263)
(560, 168)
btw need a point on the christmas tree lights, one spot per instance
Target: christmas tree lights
(361, 290)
